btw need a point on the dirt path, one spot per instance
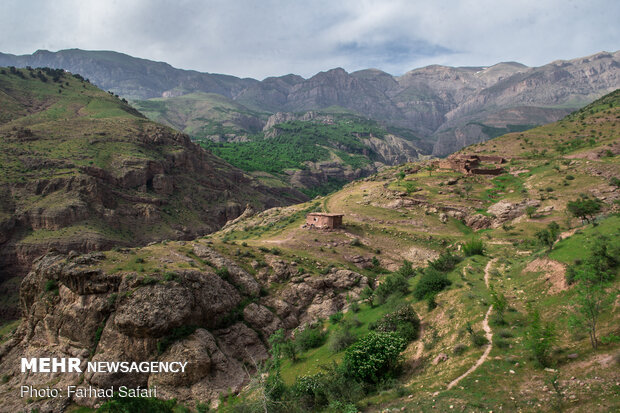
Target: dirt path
(487, 333)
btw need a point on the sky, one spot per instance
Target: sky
(276, 37)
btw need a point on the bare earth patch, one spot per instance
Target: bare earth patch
(554, 273)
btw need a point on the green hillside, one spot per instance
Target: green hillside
(80, 169)
(202, 115)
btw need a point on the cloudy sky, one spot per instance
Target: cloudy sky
(276, 37)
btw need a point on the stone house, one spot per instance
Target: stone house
(470, 164)
(324, 220)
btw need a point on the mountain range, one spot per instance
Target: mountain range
(446, 108)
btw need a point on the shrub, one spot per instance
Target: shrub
(223, 273)
(340, 339)
(403, 321)
(584, 207)
(445, 262)
(310, 337)
(176, 334)
(375, 262)
(459, 349)
(477, 338)
(329, 387)
(289, 350)
(431, 282)
(473, 247)
(502, 343)
(373, 356)
(354, 307)
(540, 337)
(392, 284)
(530, 211)
(505, 333)
(51, 285)
(336, 317)
(406, 270)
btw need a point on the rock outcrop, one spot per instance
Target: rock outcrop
(215, 321)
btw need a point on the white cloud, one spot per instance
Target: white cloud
(275, 37)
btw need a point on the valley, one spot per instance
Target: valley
(437, 267)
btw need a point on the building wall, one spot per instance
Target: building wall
(320, 221)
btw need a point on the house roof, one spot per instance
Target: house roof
(323, 214)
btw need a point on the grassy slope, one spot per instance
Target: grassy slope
(50, 129)
(587, 382)
(199, 114)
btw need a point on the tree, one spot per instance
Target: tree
(549, 235)
(499, 302)
(591, 300)
(366, 295)
(584, 207)
(289, 350)
(540, 337)
(530, 210)
(430, 168)
(373, 356)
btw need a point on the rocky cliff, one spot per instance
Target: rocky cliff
(203, 309)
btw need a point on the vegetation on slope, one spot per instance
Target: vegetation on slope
(298, 142)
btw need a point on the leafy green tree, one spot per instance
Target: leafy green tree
(289, 350)
(367, 294)
(431, 282)
(540, 337)
(591, 300)
(500, 303)
(548, 236)
(530, 211)
(374, 356)
(584, 207)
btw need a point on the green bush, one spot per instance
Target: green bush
(392, 284)
(175, 335)
(445, 262)
(540, 337)
(51, 286)
(477, 338)
(373, 356)
(331, 387)
(406, 270)
(584, 207)
(223, 273)
(403, 321)
(336, 317)
(340, 339)
(310, 337)
(473, 247)
(431, 282)
(459, 349)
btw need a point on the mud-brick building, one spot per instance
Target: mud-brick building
(323, 220)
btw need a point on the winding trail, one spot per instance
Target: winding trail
(487, 333)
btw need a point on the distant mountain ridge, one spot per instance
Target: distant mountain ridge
(449, 107)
